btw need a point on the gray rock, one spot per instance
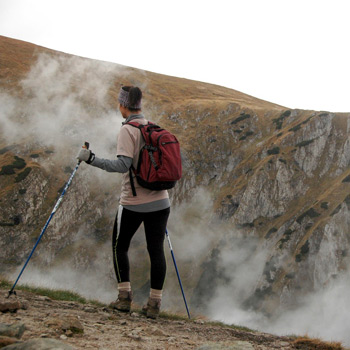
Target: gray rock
(13, 330)
(39, 344)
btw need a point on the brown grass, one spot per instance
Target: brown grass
(306, 343)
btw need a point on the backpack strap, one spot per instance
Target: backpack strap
(132, 184)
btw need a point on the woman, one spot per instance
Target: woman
(152, 208)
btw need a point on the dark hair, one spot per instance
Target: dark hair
(135, 96)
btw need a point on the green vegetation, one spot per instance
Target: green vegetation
(35, 155)
(324, 205)
(279, 121)
(22, 191)
(336, 210)
(304, 143)
(347, 179)
(247, 134)
(347, 201)
(286, 237)
(304, 250)
(9, 169)
(274, 150)
(51, 293)
(295, 128)
(311, 213)
(240, 118)
(271, 231)
(22, 175)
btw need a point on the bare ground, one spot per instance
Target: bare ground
(87, 326)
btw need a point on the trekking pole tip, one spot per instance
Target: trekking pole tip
(10, 293)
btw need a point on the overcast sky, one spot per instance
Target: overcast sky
(294, 53)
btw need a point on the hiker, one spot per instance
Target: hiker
(152, 208)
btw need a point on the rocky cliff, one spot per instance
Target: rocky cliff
(260, 220)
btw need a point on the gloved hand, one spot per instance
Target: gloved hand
(85, 155)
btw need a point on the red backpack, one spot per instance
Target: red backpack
(159, 165)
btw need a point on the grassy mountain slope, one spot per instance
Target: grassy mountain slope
(257, 176)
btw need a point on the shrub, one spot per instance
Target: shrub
(271, 231)
(18, 163)
(7, 170)
(347, 179)
(286, 237)
(295, 128)
(240, 118)
(304, 143)
(22, 175)
(311, 213)
(274, 150)
(279, 121)
(336, 210)
(324, 205)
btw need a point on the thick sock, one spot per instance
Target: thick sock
(156, 294)
(124, 286)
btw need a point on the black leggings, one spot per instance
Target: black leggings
(126, 224)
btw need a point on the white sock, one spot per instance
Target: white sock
(156, 294)
(124, 286)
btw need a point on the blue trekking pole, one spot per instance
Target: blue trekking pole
(177, 272)
(47, 223)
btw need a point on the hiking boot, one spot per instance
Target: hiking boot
(123, 303)
(152, 308)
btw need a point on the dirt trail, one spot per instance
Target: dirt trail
(87, 326)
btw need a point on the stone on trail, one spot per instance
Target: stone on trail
(10, 305)
(12, 330)
(40, 344)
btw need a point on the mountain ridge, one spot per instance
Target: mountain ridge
(262, 212)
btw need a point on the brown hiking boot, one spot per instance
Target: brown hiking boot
(152, 308)
(123, 303)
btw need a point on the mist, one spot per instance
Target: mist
(321, 314)
(64, 104)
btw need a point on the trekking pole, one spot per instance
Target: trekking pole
(177, 272)
(47, 224)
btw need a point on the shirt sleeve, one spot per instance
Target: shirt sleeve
(120, 165)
